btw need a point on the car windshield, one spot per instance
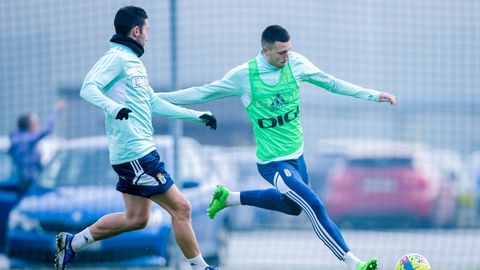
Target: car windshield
(79, 167)
(380, 162)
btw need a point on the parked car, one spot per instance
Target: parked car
(78, 187)
(390, 184)
(9, 180)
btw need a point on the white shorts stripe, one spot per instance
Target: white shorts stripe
(138, 171)
(135, 167)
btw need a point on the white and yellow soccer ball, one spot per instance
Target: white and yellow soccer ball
(413, 261)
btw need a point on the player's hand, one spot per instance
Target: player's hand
(123, 114)
(387, 97)
(209, 120)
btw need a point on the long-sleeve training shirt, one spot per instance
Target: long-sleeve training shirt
(119, 79)
(236, 83)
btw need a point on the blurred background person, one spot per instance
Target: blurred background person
(24, 145)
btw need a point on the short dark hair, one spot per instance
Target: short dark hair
(127, 18)
(23, 121)
(274, 33)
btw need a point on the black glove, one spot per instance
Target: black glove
(123, 113)
(209, 121)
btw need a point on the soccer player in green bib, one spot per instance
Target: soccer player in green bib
(268, 86)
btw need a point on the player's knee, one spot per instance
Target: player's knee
(139, 223)
(183, 210)
(296, 211)
(290, 207)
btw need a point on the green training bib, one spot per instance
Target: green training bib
(274, 112)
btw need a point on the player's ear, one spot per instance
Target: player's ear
(136, 31)
(264, 50)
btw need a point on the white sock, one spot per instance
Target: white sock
(82, 239)
(198, 263)
(233, 198)
(351, 261)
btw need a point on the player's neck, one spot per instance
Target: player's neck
(124, 40)
(265, 64)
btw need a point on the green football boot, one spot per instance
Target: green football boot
(219, 201)
(371, 264)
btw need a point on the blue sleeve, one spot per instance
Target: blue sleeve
(47, 128)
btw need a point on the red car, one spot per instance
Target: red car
(389, 188)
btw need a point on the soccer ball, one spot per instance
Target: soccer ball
(413, 262)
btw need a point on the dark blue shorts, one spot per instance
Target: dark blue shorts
(143, 177)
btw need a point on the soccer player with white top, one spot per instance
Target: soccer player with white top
(268, 86)
(118, 85)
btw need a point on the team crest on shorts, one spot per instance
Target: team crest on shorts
(287, 172)
(161, 178)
